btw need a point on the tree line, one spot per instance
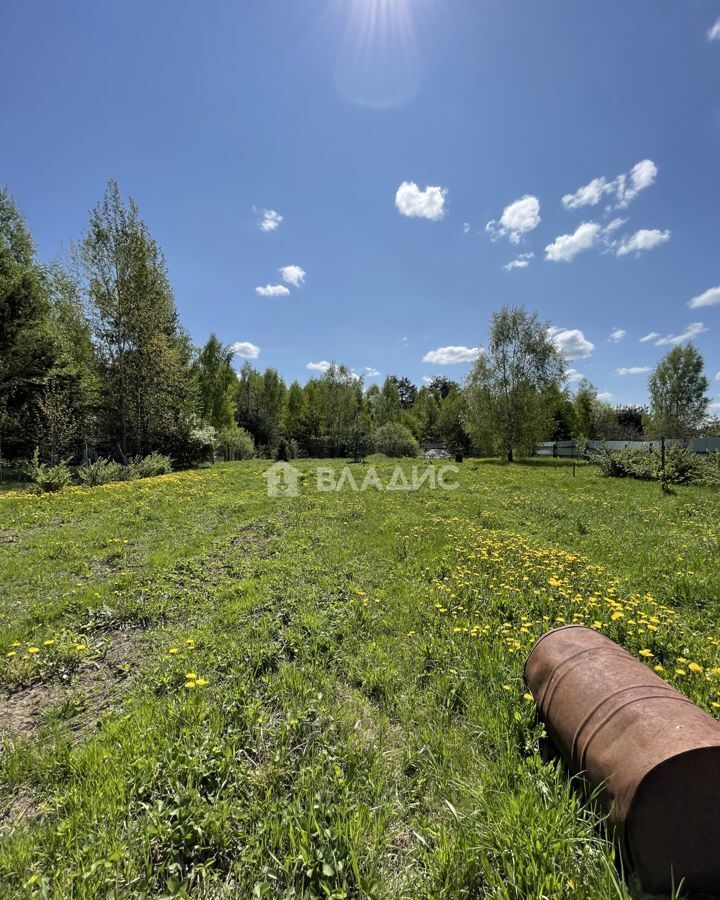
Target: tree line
(94, 362)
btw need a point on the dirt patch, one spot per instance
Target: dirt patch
(94, 688)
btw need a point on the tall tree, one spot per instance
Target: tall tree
(295, 412)
(216, 384)
(508, 385)
(71, 394)
(388, 406)
(678, 393)
(144, 354)
(407, 392)
(585, 401)
(27, 349)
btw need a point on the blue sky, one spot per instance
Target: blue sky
(338, 115)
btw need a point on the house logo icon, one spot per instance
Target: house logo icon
(283, 480)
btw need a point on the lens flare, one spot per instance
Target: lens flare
(379, 62)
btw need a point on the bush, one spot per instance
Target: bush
(47, 479)
(682, 466)
(286, 449)
(236, 443)
(627, 463)
(396, 440)
(102, 471)
(202, 444)
(149, 466)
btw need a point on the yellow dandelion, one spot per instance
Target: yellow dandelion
(189, 685)
(190, 676)
(200, 682)
(173, 650)
(48, 643)
(33, 650)
(659, 668)
(648, 654)
(680, 672)
(11, 653)
(695, 667)
(528, 697)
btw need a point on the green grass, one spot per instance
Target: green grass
(363, 731)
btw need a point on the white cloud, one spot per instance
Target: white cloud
(272, 290)
(573, 375)
(448, 356)
(270, 220)
(714, 32)
(605, 396)
(632, 370)
(644, 239)
(616, 335)
(572, 342)
(614, 225)
(520, 262)
(245, 349)
(717, 377)
(516, 220)
(293, 275)
(371, 372)
(414, 203)
(625, 187)
(566, 247)
(650, 337)
(466, 227)
(321, 366)
(711, 297)
(693, 330)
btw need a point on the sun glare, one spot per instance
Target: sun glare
(379, 61)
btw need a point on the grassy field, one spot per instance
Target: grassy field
(212, 693)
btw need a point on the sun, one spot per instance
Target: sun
(379, 62)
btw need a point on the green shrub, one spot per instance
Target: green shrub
(202, 444)
(236, 443)
(47, 479)
(682, 466)
(149, 466)
(286, 449)
(102, 471)
(394, 439)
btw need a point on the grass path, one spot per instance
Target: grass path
(240, 696)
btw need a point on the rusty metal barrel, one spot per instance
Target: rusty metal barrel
(653, 755)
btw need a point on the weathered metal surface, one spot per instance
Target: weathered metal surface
(654, 754)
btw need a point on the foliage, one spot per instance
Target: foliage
(27, 349)
(217, 384)
(47, 479)
(507, 389)
(143, 356)
(150, 466)
(101, 471)
(200, 445)
(394, 439)
(678, 393)
(286, 449)
(682, 466)
(236, 443)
